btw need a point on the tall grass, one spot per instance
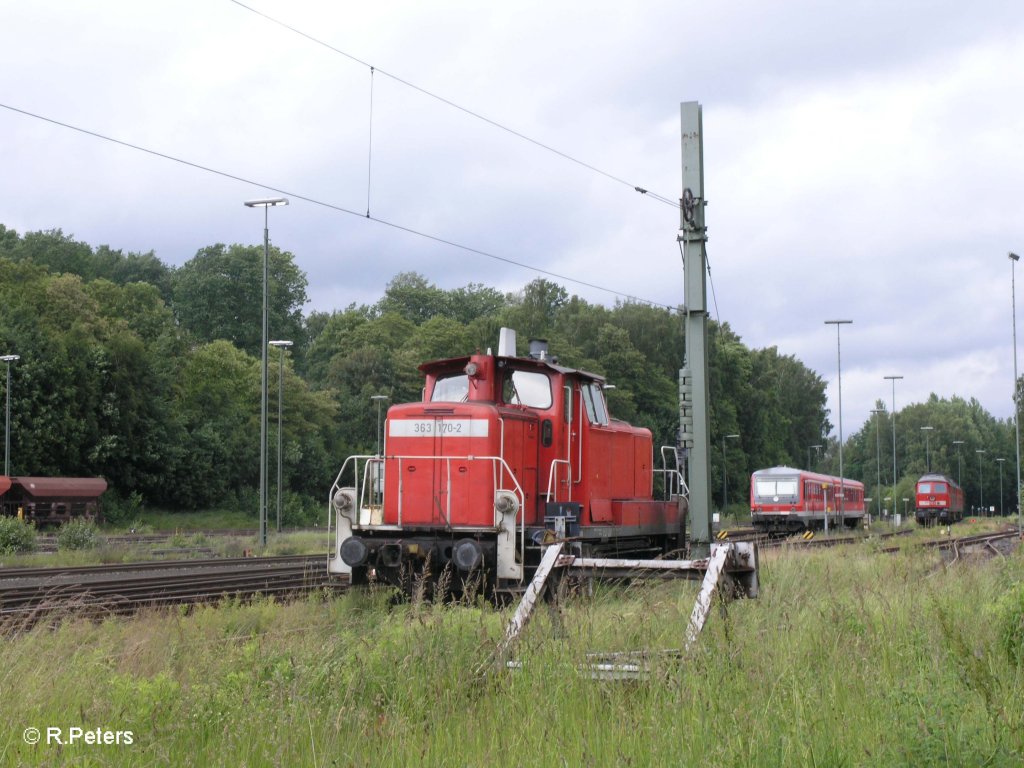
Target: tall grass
(848, 658)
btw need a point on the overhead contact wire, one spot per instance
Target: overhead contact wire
(453, 105)
(334, 207)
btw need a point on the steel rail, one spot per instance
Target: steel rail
(199, 581)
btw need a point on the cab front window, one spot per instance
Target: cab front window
(451, 389)
(769, 488)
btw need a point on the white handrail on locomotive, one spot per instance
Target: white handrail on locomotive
(674, 484)
(359, 521)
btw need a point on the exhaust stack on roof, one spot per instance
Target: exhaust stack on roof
(539, 349)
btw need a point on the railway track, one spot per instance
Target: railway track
(47, 542)
(28, 594)
(959, 544)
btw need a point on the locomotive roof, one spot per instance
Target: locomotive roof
(791, 471)
(520, 362)
(936, 477)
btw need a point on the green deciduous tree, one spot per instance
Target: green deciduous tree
(218, 294)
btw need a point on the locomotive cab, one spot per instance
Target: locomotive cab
(501, 454)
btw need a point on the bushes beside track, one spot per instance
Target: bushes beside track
(16, 536)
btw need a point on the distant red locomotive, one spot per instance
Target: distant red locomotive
(938, 499)
(502, 454)
(786, 499)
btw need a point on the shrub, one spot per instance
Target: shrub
(298, 511)
(118, 510)
(16, 536)
(78, 534)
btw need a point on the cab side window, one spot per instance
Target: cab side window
(529, 388)
(593, 401)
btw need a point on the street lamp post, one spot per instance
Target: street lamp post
(1014, 258)
(266, 204)
(958, 443)
(7, 419)
(981, 481)
(281, 346)
(1001, 460)
(878, 457)
(894, 475)
(927, 451)
(725, 473)
(887, 500)
(905, 500)
(380, 399)
(839, 360)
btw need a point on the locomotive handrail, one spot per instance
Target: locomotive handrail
(673, 480)
(553, 477)
(673, 473)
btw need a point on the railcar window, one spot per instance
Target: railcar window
(451, 389)
(775, 487)
(528, 388)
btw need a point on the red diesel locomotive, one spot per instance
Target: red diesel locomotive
(938, 499)
(502, 454)
(783, 499)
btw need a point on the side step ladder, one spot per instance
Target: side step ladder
(732, 568)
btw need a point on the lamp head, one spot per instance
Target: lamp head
(266, 202)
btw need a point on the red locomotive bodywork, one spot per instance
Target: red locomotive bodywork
(501, 452)
(938, 499)
(788, 499)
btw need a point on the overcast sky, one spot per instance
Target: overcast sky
(863, 160)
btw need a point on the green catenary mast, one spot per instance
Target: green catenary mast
(693, 379)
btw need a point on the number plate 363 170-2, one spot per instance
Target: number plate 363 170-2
(438, 428)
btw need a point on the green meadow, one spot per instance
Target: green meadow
(850, 657)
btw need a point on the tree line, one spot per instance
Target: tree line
(953, 436)
(149, 375)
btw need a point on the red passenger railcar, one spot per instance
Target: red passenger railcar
(938, 499)
(501, 453)
(785, 499)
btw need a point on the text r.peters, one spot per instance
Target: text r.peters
(76, 735)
